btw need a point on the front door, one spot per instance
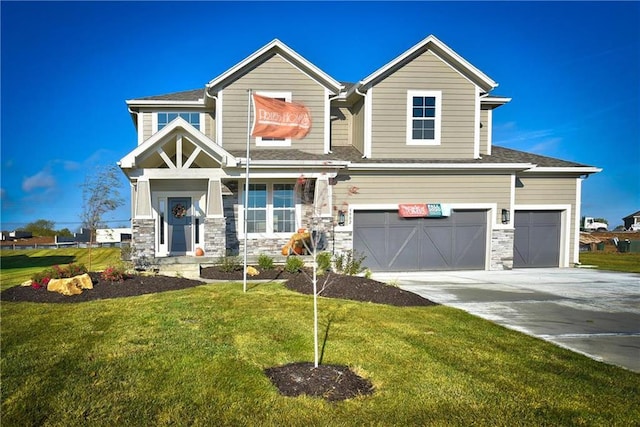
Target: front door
(179, 225)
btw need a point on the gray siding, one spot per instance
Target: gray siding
(395, 187)
(389, 115)
(275, 74)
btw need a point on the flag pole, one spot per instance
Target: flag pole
(246, 192)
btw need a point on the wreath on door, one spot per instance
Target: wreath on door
(179, 211)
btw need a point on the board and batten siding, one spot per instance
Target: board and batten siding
(389, 111)
(392, 188)
(556, 190)
(277, 75)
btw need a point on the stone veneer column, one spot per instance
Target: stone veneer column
(215, 241)
(502, 250)
(143, 238)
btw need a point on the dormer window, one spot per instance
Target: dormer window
(424, 113)
(164, 118)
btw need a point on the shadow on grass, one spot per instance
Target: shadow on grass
(24, 261)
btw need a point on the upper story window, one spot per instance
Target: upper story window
(164, 118)
(424, 113)
(274, 142)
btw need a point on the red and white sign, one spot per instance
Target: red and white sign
(413, 210)
(274, 118)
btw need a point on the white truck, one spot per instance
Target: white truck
(589, 224)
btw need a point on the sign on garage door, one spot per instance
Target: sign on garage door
(392, 243)
(537, 239)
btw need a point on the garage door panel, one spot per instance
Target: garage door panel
(455, 242)
(371, 245)
(537, 239)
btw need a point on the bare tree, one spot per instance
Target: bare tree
(100, 195)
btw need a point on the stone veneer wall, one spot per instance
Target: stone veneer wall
(143, 238)
(502, 250)
(215, 240)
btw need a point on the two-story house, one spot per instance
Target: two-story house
(399, 166)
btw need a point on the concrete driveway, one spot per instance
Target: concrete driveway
(592, 312)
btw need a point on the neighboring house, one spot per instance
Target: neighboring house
(112, 235)
(417, 131)
(632, 222)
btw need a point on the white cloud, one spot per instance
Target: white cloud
(42, 179)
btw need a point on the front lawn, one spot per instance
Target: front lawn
(196, 357)
(628, 262)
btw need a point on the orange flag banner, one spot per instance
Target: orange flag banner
(274, 118)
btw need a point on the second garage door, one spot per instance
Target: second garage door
(537, 239)
(392, 243)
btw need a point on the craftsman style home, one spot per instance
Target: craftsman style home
(399, 166)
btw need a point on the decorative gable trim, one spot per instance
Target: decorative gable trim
(154, 144)
(443, 52)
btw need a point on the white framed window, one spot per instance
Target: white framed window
(424, 114)
(163, 118)
(274, 142)
(272, 208)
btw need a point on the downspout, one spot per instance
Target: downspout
(364, 96)
(138, 127)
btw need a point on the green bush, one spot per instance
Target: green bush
(349, 263)
(230, 263)
(42, 278)
(323, 260)
(265, 262)
(294, 264)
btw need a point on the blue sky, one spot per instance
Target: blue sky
(572, 69)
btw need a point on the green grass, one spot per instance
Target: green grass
(196, 357)
(626, 262)
(19, 265)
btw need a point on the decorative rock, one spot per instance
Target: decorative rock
(70, 286)
(27, 283)
(251, 271)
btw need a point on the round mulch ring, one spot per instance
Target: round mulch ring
(330, 382)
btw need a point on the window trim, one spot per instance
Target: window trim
(437, 94)
(261, 142)
(156, 121)
(270, 210)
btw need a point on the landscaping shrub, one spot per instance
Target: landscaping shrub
(294, 264)
(114, 274)
(265, 262)
(349, 263)
(323, 260)
(230, 263)
(42, 278)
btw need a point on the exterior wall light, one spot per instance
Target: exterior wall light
(341, 217)
(506, 216)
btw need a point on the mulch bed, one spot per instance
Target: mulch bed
(330, 382)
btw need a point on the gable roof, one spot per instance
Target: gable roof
(201, 140)
(275, 47)
(443, 51)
